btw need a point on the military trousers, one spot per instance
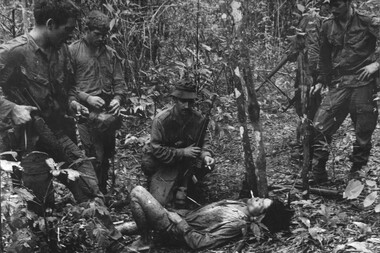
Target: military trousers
(338, 103)
(102, 147)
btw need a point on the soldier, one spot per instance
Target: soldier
(208, 226)
(101, 86)
(174, 133)
(348, 64)
(35, 70)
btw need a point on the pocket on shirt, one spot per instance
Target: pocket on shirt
(356, 37)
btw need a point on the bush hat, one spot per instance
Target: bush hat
(185, 90)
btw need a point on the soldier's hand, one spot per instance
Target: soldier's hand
(21, 114)
(315, 88)
(95, 101)
(191, 151)
(79, 109)
(115, 106)
(365, 72)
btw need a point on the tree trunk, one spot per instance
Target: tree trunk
(256, 172)
(305, 129)
(250, 180)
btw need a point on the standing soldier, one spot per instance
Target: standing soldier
(348, 64)
(101, 86)
(35, 69)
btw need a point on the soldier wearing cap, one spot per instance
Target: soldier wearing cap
(348, 66)
(173, 135)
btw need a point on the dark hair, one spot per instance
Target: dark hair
(97, 20)
(57, 10)
(277, 216)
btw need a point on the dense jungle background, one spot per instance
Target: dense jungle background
(228, 47)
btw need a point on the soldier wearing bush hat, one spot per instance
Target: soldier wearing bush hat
(185, 90)
(174, 132)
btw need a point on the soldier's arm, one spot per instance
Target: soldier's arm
(119, 84)
(375, 30)
(163, 153)
(325, 64)
(371, 69)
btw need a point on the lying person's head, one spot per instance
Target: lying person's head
(277, 216)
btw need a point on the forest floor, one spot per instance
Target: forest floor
(320, 223)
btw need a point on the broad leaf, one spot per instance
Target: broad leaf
(72, 175)
(371, 183)
(315, 233)
(301, 8)
(8, 165)
(25, 194)
(305, 221)
(370, 199)
(360, 246)
(353, 189)
(364, 228)
(377, 208)
(51, 163)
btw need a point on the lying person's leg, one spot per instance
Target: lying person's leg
(148, 214)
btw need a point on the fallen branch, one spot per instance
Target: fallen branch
(312, 190)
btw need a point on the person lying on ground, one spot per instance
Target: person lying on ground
(208, 226)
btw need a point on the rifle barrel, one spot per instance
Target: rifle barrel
(274, 71)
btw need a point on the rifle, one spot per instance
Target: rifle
(165, 179)
(199, 143)
(22, 96)
(274, 71)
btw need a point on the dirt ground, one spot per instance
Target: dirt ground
(320, 224)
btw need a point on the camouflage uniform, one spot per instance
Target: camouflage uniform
(343, 52)
(98, 74)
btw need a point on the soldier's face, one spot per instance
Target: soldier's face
(96, 37)
(184, 106)
(340, 8)
(60, 34)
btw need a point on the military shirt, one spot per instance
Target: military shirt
(24, 66)
(212, 225)
(97, 73)
(346, 50)
(169, 136)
